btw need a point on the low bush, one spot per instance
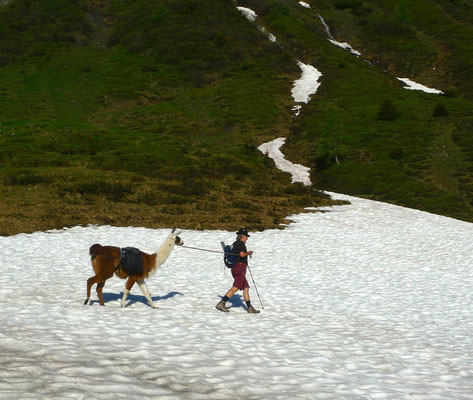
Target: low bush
(27, 177)
(440, 110)
(115, 191)
(344, 4)
(387, 112)
(149, 198)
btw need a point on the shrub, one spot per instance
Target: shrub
(149, 198)
(362, 10)
(298, 188)
(26, 177)
(344, 4)
(389, 26)
(440, 110)
(401, 13)
(396, 153)
(176, 199)
(387, 112)
(114, 191)
(189, 187)
(451, 92)
(160, 15)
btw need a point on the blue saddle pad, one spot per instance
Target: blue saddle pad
(131, 261)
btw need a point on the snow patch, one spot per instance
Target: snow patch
(308, 83)
(345, 46)
(251, 16)
(327, 29)
(304, 4)
(411, 85)
(299, 172)
(248, 13)
(270, 36)
(332, 40)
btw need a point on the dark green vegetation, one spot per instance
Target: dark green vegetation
(149, 112)
(363, 134)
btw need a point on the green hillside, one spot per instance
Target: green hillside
(149, 113)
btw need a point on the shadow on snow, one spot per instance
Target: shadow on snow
(236, 301)
(134, 298)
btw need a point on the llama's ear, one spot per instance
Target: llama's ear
(178, 233)
(173, 230)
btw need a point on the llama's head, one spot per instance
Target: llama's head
(177, 240)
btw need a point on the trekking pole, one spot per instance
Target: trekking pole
(255, 287)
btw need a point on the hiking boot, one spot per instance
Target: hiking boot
(252, 310)
(221, 306)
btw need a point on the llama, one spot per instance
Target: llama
(106, 262)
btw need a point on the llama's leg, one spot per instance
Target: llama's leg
(145, 291)
(90, 282)
(125, 295)
(129, 284)
(99, 292)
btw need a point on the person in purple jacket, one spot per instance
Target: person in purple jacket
(239, 273)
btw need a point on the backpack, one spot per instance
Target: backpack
(229, 257)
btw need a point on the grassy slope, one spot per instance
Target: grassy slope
(145, 112)
(416, 159)
(110, 126)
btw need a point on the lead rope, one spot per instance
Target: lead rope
(209, 251)
(196, 248)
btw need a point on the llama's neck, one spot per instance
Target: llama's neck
(163, 253)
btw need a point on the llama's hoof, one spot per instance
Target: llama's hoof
(86, 301)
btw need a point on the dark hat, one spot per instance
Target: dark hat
(243, 231)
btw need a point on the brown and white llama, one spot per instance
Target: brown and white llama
(106, 262)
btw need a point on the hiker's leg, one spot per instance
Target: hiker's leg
(231, 292)
(246, 294)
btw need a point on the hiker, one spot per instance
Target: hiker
(239, 272)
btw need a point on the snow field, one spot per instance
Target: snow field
(365, 301)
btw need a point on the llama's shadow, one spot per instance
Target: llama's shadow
(134, 298)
